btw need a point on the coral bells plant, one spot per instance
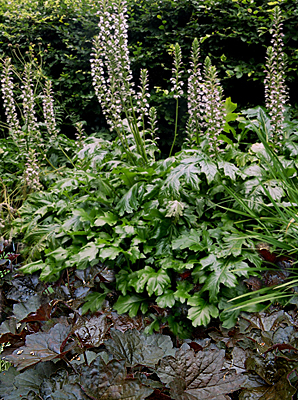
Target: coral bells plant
(276, 92)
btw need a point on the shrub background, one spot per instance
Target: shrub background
(58, 34)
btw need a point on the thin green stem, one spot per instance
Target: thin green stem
(136, 134)
(176, 127)
(66, 156)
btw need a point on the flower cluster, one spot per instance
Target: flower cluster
(9, 103)
(110, 65)
(177, 86)
(194, 92)
(31, 173)
(48, 110)
(276, 92)
(142, 96)
(176, 71)
(34, 136)
(28, 99)
(205, 103)
(213, 105)
(112, 77)
(153, 122)
(79, 134)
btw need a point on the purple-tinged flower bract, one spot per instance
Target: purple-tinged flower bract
(48, 110)
(112, 78)
(195, 102)
(276, 92)
(205, 104)
(213, 105)
(31, 173)
(176, 73)
(80, 134)
(9, 103)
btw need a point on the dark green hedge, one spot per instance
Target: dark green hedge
(59, 34)
(234, 33)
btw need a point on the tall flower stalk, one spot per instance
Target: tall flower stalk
(213, 104)
(205, 104)
(80, 134)
(276, 92)
(31, 173)
(142, 98)
(26, 131)
(152, 122)
(48, 110)
(9, 102)
(33, 138)
(177, 86)
(195, 104)
(112, 77)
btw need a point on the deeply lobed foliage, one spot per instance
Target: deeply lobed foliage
(58, 353)
(160, 224)
(172, 239)
(165, 229)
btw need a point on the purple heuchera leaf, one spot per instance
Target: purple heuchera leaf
(139, 349)
(199, 375)
(40, 347)
(109, 381)
(91, 331)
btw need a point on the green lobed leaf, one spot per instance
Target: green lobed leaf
(131, 304)
(220, 274)
(191, 240)
(122, 281)
(130, 201)
(209, 168)
(175, 209)
(233, 244)
(155, 281)
(186, 171)
(109, 253)
(202, 311)
(182, 292)
(108, 218)
(94, 301)
(134, 254)
(167, 299)
(230, 169)
(84, 257)
(33, 267)
(229, 106)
